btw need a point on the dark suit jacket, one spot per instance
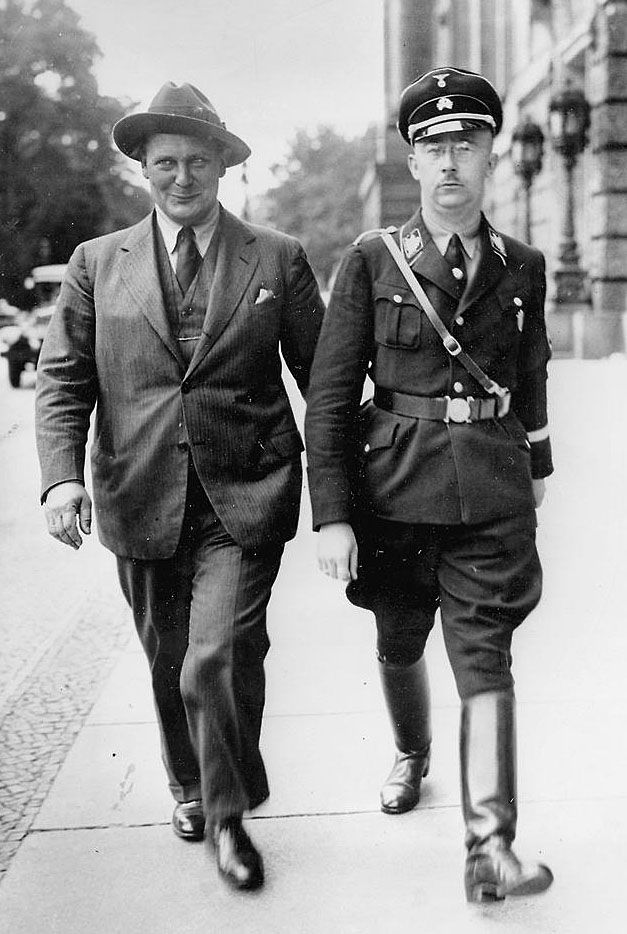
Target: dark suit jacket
(414, 470)
(109, 346)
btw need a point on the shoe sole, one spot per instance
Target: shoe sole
(191, 837)
(491, 892)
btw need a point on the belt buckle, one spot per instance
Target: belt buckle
(457, 410)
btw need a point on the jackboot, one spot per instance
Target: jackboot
(488, 787)
(406, 692)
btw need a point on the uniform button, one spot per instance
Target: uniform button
(366, 448)
(183, 445)
(518, 302)
(458, 387)
(457, 272)
(459, 320)
(398, 299)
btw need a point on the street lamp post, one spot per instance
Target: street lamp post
(527, 152)
(569, 119)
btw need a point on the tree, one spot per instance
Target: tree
(317, 195)
(61, 182)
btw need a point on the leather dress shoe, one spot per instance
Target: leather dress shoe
(238, 861)
(188, 820)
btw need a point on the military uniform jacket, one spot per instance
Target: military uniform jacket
(110, 347)
(417, 470)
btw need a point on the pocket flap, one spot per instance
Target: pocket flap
(398, 295)
(380, 433)
(285, 444)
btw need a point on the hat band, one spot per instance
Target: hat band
(194, 112)
(432, 126)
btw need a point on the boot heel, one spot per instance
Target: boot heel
(478, 892)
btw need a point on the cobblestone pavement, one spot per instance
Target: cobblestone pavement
(42, 719)
(62, 623)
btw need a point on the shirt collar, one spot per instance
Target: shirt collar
(203, 232)
(469, 236)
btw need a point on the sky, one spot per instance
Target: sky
(268, 66)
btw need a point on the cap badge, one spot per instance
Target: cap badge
(498, 245)
(444, 103)
(412, 244)
(441, 79)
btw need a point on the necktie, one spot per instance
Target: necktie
(455, 256)
(187, 257)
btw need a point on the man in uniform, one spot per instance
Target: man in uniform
(425, 496)
(171, 330)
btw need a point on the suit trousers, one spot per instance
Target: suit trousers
(201, 618)
(484, 578)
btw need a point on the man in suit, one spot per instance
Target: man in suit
(425, 496)
(171, 330)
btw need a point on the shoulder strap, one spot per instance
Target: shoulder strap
(451, 344)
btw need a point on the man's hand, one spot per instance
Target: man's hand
(539, 489)
(62, 505)
(337, 551)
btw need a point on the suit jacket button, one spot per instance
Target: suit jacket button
(366, 448)
(398, 299)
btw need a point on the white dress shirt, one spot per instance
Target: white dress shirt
(170, 231)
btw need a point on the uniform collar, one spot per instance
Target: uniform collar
(203, 232)
(441, 235)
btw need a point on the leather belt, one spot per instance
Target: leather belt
(442, 408)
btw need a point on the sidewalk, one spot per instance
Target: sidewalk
(101, 857)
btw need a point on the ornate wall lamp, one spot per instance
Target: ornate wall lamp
(527, 152)
(569, 120)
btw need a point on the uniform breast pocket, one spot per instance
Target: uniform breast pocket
(397, 317)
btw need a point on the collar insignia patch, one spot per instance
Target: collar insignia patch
(498, 245)
(412, 244)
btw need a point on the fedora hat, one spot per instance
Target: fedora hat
(183, 110)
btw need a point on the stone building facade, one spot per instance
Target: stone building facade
(529, 49)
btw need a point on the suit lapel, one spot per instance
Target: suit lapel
(236, 262)
(141, 276)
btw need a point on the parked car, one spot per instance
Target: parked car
(21, 341)
(7, 313)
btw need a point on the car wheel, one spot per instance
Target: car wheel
(15, 371)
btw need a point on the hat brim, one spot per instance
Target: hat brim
(132, 131)
(449, 124)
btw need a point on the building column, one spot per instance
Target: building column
(602, 331)
(389, 193)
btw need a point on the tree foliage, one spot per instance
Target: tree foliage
(316, 197)
(61, 181)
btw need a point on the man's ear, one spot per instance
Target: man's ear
(413, 165)
(492, 163)
(144, 169)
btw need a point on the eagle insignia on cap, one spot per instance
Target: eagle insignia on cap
(441, 79)
(444, 103)
(498, 245)
(412, 244)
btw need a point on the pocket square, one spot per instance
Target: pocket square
(263, 295)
